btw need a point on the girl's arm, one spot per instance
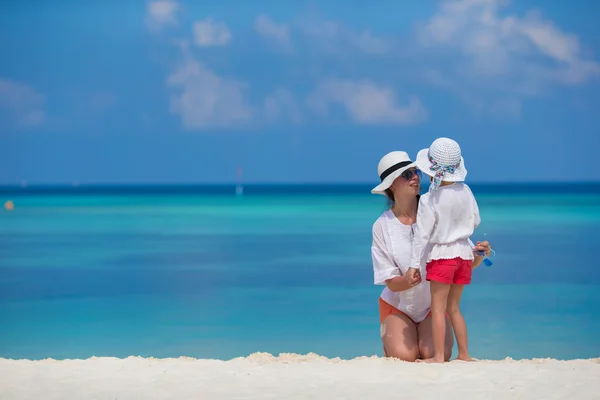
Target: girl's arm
(477, 261)
(485, 246)
(426, 220)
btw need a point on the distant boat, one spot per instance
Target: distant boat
(239, 188)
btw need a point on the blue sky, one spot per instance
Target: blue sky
(294, 91)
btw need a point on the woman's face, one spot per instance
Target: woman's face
(408, 183)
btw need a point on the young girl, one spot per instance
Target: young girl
(447, 216)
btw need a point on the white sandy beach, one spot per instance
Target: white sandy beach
(290, 376)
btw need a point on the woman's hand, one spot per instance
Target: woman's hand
(483, 246)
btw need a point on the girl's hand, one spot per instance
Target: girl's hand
(413, 276)
(483, 246)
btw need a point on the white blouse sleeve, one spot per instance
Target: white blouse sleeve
(476, 212)
(476, 216)
(383, 265)
(425, 223)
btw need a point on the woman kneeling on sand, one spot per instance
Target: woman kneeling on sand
(404, 308)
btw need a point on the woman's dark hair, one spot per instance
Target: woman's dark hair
(390, 197)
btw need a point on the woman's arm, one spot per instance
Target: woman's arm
(400, 284)
(385, 270)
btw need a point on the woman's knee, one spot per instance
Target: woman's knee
(402, 353)
(426, 349)
(399, 338)
(447, 353)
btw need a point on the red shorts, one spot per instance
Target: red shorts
(455, 271)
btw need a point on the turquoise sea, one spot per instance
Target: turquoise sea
(199, 272)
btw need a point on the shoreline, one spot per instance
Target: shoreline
(296, 376)
(296, 358)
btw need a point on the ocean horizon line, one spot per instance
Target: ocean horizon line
(250, 188)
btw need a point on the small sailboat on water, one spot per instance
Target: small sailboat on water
(239, 188)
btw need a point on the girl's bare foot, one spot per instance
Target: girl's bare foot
(431, 360)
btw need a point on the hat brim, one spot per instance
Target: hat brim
(387, 182)
(423, 164)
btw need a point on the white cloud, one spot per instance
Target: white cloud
(204, 99)
(529, 48)
(268, 28)
(335, 37)
(161, 13)
(370, 44)
(102, 100)
(211, 33)
(93, 103)
(23, 103)
(282, 104)
(493, 60)
(367, 103)
(506, 109)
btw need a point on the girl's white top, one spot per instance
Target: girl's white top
(446, 218)
(391, 251)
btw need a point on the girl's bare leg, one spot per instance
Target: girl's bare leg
(458, 322)
(439, 299)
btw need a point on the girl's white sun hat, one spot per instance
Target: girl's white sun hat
(390, 167)
(442, 161)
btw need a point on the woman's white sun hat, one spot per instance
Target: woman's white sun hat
(390, 167)
(442, 161)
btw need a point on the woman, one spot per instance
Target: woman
(404, 308)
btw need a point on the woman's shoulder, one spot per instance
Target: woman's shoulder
(382, 220)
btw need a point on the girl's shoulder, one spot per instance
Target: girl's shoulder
(423, 198)
(467, 189)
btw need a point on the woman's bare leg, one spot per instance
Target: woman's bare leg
(425, 332)
(458, 322)
(399, 337)
(439, 299)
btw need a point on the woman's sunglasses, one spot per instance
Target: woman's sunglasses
(409, 173)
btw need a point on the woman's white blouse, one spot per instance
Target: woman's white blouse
(391, 252)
